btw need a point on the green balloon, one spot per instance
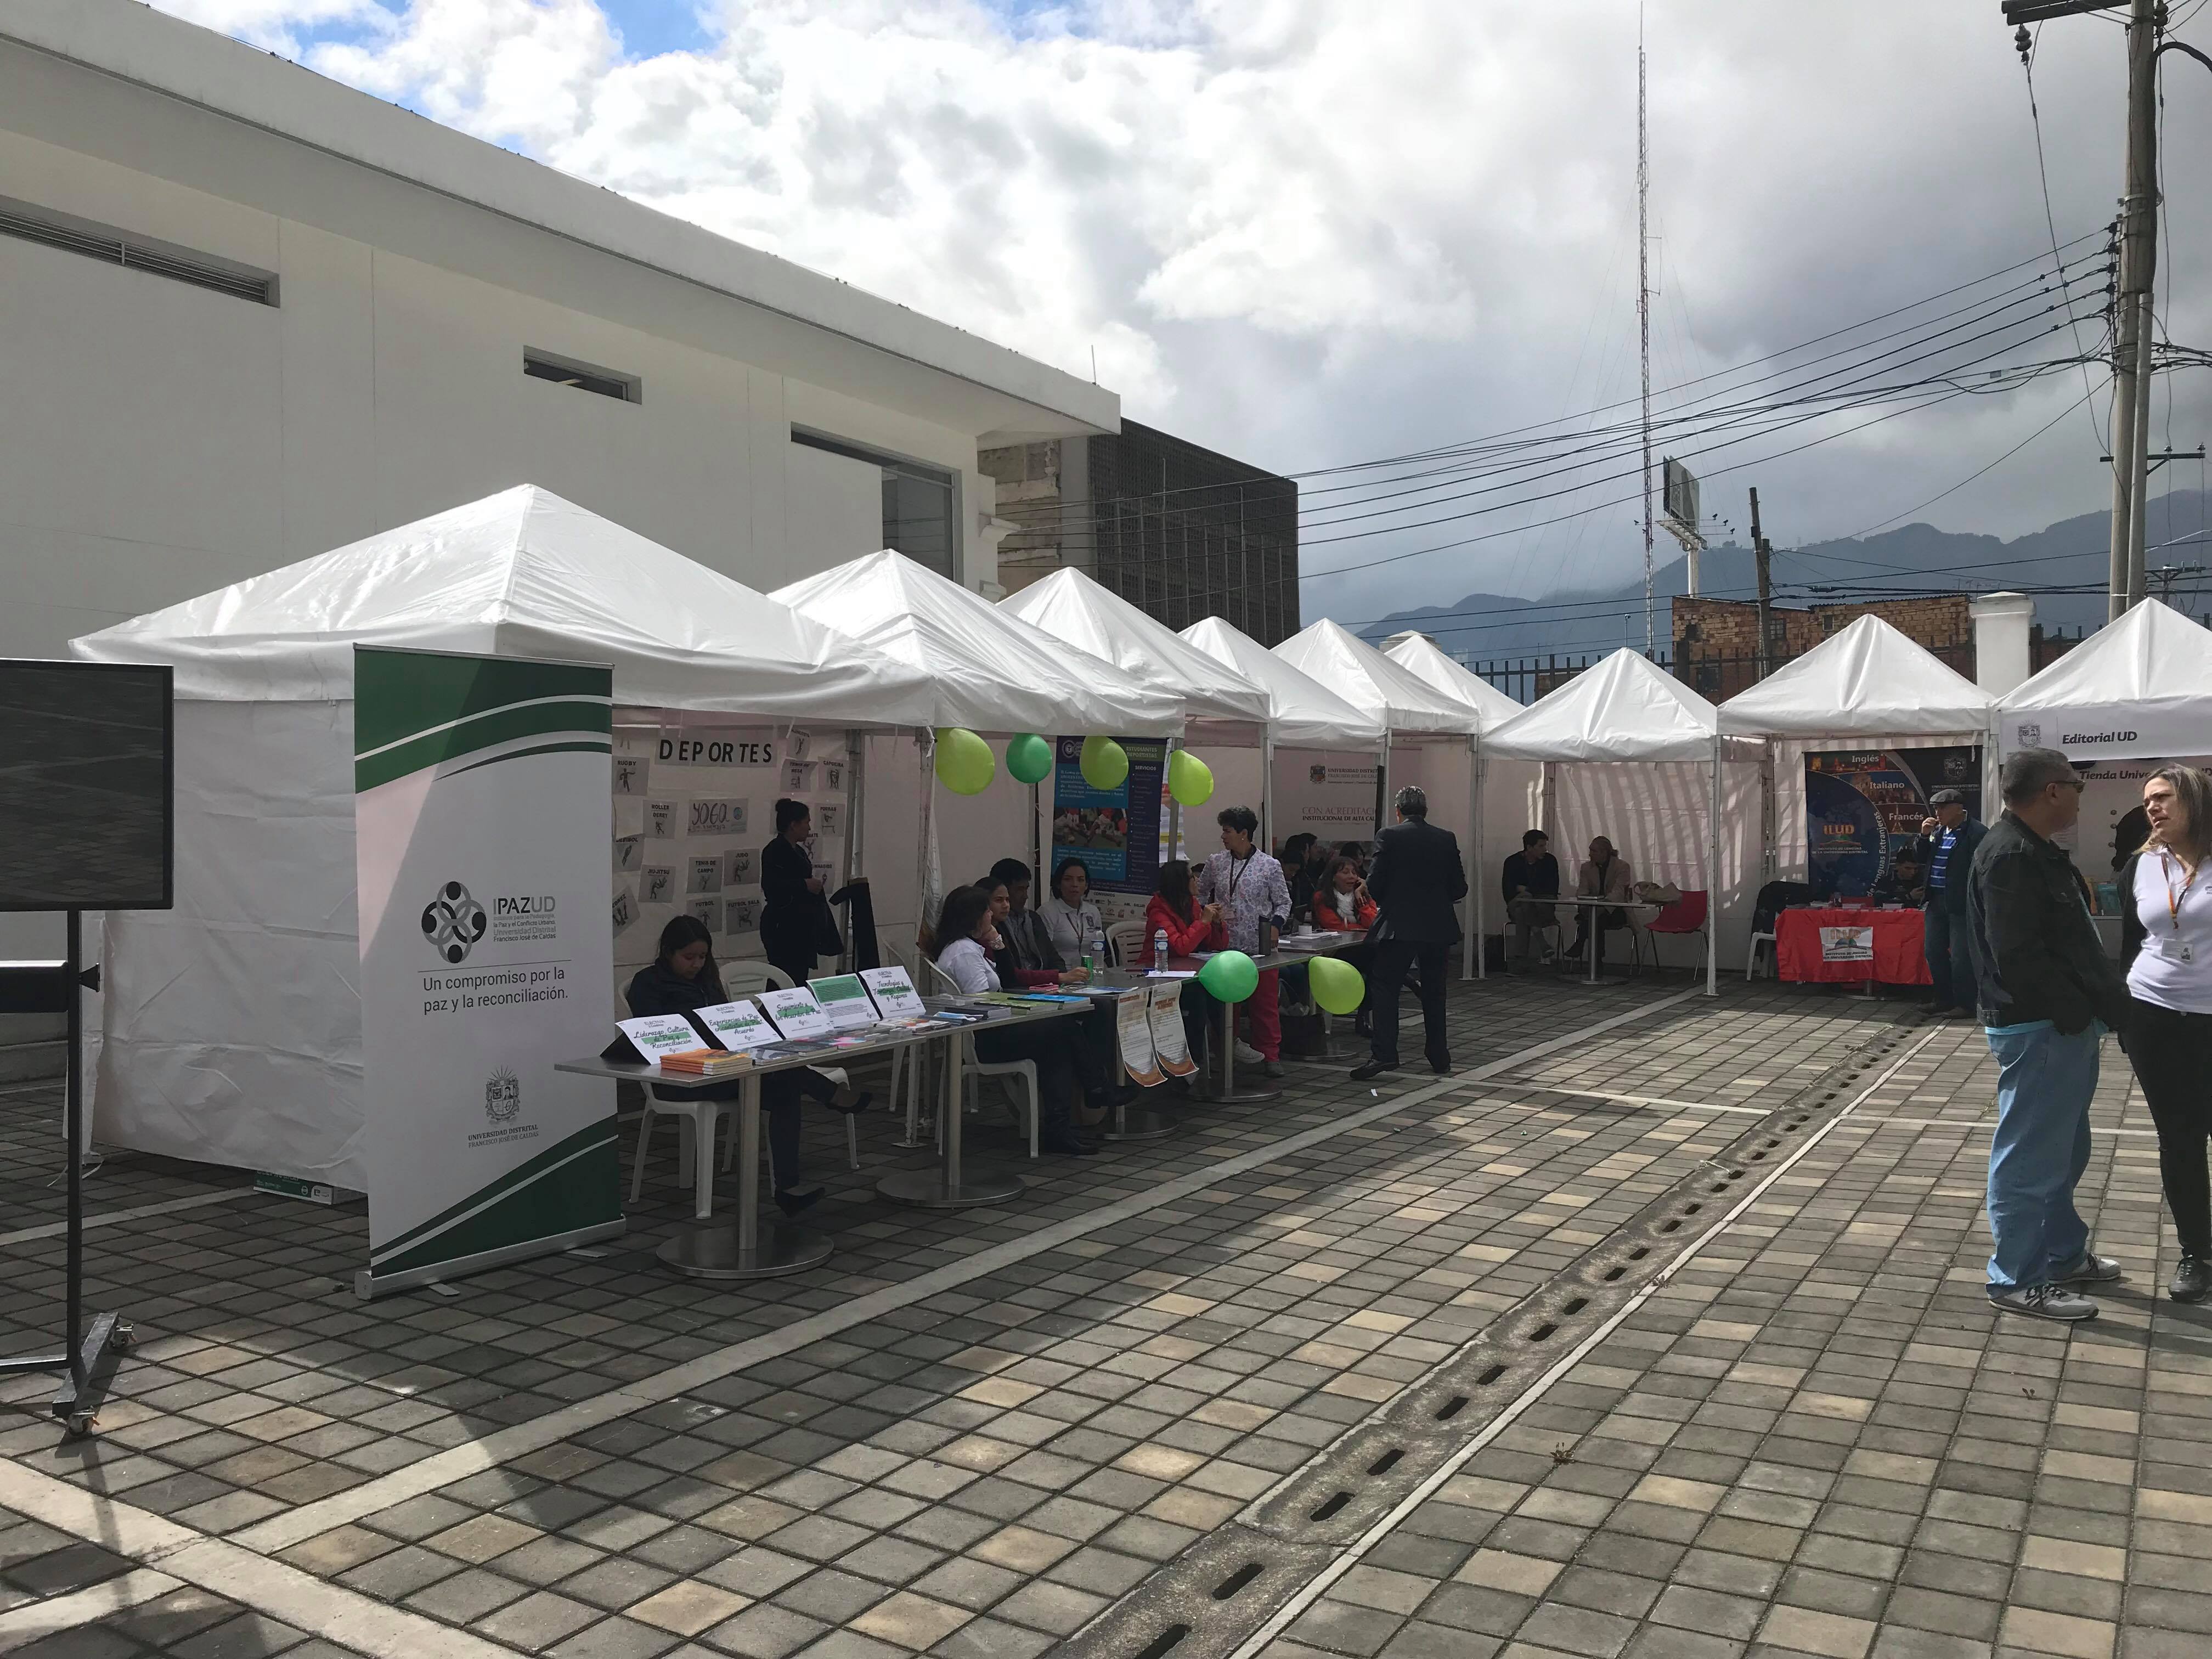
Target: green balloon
(1105, 764)
(1190, 779)
(964, 762)
(1337, 985)
(1229, 976)
(1028, 759)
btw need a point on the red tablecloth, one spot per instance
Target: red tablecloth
(1831, 945)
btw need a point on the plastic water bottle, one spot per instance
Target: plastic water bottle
(1160, 949)
(1093, 953)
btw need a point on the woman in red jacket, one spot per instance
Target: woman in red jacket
(1173, 910)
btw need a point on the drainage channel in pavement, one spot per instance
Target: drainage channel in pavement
(1236, 1583)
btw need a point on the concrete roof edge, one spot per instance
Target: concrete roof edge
(166, 55)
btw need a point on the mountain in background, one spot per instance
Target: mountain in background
(1918, 559)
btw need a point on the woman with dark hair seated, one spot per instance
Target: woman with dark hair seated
(967, 939)
(1173, 910)
(681, 979)
(1097, 1033)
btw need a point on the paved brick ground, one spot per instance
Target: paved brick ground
(972, 1433)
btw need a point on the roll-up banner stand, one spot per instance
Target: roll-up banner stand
(481, 791)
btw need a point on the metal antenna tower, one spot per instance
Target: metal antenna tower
(1644, 298)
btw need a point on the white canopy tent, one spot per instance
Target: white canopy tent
(995, 674)
(1219, 705)
(231, 1025)
(1867, 685)
(1407, 705)
(1626, 711)
(1302, 713)
(2139, 688)
(1421, 657)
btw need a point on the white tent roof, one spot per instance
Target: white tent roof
(1623, 709)
(993, 671)
(1868, 680)
(520, 574)
(1217, 701)
(1421, 657)
(1306, 714)
(1367, 679)
(2140, 686)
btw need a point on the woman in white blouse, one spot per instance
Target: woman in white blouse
(966, 941)
(1069, 914)
(2166, 938)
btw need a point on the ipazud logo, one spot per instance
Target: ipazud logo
(453, 923)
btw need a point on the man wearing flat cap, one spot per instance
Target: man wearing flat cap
(1950, 934)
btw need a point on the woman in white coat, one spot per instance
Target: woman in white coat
(1073, 920)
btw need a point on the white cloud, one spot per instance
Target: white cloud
(1308, 231)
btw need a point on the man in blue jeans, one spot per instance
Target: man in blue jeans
(1950, 935)
(2048, 994)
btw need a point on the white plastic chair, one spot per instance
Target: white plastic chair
(1126, 941)
(1751, 956)
(1021, 1072)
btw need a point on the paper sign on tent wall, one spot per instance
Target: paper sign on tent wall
(480, 785)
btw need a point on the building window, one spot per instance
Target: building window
(921, 504)
(28, 224)
(567, 371)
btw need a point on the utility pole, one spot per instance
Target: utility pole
(1763, 551)
(2133, 330)
(1644, 298)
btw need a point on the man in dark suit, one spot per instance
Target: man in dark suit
(1416, 878)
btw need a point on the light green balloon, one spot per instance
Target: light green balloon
(1028, 759)
(964, 762)
(1337, 985)
(1105, 764)
(1230, 977)
(1190, 779)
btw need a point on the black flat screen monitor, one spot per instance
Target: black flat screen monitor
(86, 813)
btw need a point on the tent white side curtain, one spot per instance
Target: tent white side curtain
(1656, 814)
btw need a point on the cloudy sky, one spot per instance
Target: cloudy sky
(1316, 232)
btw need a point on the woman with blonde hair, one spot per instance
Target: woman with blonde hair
(2166, 942)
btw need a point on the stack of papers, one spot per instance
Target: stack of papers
(706, 1062)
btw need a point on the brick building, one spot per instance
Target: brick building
(1717, 640)
(1180, 532)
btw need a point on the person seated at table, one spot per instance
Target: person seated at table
(1173, 910)
(1305, 861)
(1099, 1030)
(1604, 875)
(1530, 881)
(1906, 883)
(1032, 965)
(1344, 905)
(1028, 939)
(1069, 915)
(967, 940)
(684, 979)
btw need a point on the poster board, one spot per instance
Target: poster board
(1115, 832)
(1328, 795)
(479, 783)
(1862, 805)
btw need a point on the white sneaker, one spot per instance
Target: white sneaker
(1247, 1054)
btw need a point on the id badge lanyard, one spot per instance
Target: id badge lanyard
(2174, 900)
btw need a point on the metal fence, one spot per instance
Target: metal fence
(1716, 678)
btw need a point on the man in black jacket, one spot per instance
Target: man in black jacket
(1949, 936)
(1416, 878)
(2048, 993)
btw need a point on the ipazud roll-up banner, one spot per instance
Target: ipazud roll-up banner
(481, 787)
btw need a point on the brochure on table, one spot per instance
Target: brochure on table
(655, 1035)
(795, 1011)
(738, 1026)
(844, 1001)
(895, 997)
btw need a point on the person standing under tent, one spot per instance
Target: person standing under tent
(684, 979)
(2166, 935)
(794, 914)
(2048, 994)
(1950, 937)
(1530, 882)
(1256, 905)
(1415, 880)
(1070, 917)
